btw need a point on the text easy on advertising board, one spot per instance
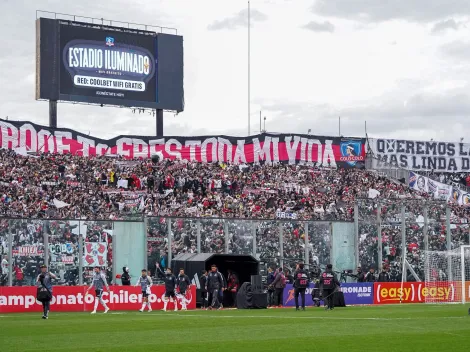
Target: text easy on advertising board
(418, 292)
(421, 155)
(75, 299)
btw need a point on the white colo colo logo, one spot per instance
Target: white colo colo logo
(95, 64)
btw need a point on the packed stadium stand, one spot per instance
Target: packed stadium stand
(100, 190)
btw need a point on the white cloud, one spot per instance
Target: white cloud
(442, 26)
(238, 20)
(378, 11)
(326, 26)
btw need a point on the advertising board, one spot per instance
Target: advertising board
(75, 299)
(419, 292)
(354, 294)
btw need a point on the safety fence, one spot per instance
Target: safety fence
(383, 233)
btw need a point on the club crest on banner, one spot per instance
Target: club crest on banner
(351, 151)
(109, 41)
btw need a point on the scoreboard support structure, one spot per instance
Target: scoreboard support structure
(159, 126)
(53, 113)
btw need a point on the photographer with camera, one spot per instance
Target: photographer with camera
(315, 273)
(44, 291)
(360, 275)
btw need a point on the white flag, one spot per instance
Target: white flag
(59, 204)
(373, 193)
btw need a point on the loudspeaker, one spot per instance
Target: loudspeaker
(260, 300)
(256, 283)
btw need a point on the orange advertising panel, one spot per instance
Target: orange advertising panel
(420, 292)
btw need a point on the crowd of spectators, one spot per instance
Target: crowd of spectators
(220, 202)
(28, 249)
(456, 179)
(104, 188)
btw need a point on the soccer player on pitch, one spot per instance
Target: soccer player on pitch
(145, 283)
(170, 286)
(99, 281)
(183, 284)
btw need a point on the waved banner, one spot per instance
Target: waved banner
(439, 190)
(421, 155)
(419, 292)
(95, 254)
(354, 294)
(334, 152)
(75, 299)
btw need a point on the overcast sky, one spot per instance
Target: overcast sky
(402, 65)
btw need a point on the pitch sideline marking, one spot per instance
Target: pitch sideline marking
(309, 317)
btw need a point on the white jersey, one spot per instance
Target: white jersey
(144, 282)
(4, 270)
(99, 281)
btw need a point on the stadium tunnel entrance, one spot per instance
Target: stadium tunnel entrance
(194, 264)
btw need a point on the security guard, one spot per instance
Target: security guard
(328, 285)
(300, 285)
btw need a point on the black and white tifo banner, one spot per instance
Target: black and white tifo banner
(439, 190)
(421, 155)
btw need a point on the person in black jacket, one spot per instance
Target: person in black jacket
(360, 275)
(183, 285)
(203, 281)
(215, 283)
(328, 284)
(370, 276)
(279, 283)
(183, 282)
(384, 276)
(289, 277)
(125, 277)
(170, 285)
(232, 288)
(300, 285)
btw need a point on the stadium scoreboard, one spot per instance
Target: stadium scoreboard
(97, 64)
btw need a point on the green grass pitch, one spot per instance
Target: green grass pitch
(379, 328)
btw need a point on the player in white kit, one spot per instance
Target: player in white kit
(98, 283)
